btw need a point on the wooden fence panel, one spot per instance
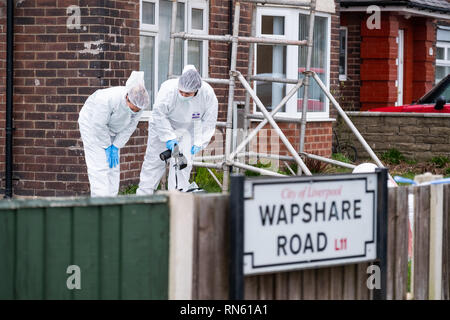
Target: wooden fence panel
(281, 286)
(295, 285)
(397, 273)
(120, 244)
(323, 286)
(337, 283)
(391, 232)
(212, 253)
(446, 245)
(251, 288)
(362, 292)
(421, 242)
(210, 279)
(349, 282)
(267, 287)
(401, 245)
(309, 284)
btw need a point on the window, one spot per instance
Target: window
(155, 22)
(442, 60)
(343, 34)
(442, 52)
(290, 61)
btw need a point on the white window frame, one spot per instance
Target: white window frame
(152, 30)
(343, 77)
(291, 19)
(446, 61)
(203, 5)
(145, 26)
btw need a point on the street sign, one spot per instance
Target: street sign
(309, 221)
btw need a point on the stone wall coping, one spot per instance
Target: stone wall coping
(397, 114)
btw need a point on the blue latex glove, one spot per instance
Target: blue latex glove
(195, 149)
(171, 143)
(112, 155)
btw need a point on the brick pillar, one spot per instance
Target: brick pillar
(56, 69)
(424, 38)
(378, 68)
(349, 90)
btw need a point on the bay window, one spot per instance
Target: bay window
(290, 61)
(155, 22)
(442, 60)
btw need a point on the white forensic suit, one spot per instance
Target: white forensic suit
(105, 119)
(191, 122)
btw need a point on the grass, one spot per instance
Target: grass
(393, 156)
(206, 182)
(131, 189)
(440, 161)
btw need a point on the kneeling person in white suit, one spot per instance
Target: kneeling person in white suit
(107, 120)
(184, 114)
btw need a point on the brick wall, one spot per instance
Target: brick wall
(372, 54)
(318, 134)
(417, 136)
(55, 70)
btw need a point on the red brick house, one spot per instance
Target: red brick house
(64, 50)
(392, 63)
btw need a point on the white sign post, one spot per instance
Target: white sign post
(298, 223)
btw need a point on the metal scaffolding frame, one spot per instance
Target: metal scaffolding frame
(231, 158)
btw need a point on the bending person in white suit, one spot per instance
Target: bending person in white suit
(184, 114)
(107, 120)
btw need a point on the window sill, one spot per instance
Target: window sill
(307, 120)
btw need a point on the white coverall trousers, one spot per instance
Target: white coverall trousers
(104, 181)
(154, 168)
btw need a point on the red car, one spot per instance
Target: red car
(437, 100)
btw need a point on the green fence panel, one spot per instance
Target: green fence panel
(86, 253)
(121, 246)
(110, 252)
(142, 253)
(7, 254)
(29, 259)
(58, 252)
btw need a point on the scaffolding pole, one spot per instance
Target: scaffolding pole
(254, 132)
(228, 133)
(347, 120)
(228, 38)
(228, 159)
(173, 26)
(306, 79)
(273, 123)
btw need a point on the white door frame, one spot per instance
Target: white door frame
(400, 66)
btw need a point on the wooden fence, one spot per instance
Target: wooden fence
(211, 251)
(121, 246)
(177, 247)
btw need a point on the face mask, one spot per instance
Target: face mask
(184, 98)
(131, 111)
